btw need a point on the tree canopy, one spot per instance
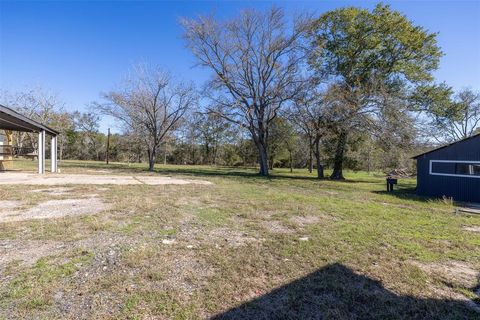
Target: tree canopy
(367, 55)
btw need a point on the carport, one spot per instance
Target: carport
(14, 121)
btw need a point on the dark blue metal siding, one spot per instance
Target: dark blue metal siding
(459, 188)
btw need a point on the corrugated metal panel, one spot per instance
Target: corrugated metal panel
(459, 188)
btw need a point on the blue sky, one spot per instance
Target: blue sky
(79, 49)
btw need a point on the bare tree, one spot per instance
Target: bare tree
(63, 122)
(256, 64)
(38, 104)
(149, 104)
(308, 113)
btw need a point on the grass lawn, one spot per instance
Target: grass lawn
(245, 247)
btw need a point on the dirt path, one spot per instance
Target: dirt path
(22, 178)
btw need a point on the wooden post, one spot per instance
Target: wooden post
(108, 145)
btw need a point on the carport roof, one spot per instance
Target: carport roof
(12, 120)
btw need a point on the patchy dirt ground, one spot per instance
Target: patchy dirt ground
(472, 228)
(240, 248)
(304, 221)
(275, 226)
(455, 274)
(54, 209)
(60, 191)
(22, 178)
(27, 252)
(9, 204)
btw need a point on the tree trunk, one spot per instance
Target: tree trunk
(207, 154)
(60, 155)
(337, 173)
(165, 151)
(262, 159)
(320, 174)
(214, 162)
(368, 159)
(151, 158)
(291, 160)
(310, 160)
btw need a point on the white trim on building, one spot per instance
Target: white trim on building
(452, 174)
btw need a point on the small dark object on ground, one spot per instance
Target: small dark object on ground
(390, 183)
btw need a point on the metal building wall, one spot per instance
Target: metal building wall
(459, 188)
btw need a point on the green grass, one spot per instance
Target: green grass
(369, 254)
(31, 288)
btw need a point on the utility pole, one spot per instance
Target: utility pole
(108, 145)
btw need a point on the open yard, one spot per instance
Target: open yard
(241, 247)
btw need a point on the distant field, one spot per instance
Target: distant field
(246, 247)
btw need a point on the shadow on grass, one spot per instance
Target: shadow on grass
(336, 292)
(243, 173)
(203, 171)
(405, 193)
(213, 171)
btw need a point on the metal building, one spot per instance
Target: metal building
(11, 120)
(451, 171)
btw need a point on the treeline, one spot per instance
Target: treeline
(352, 88)
(204, 139)
(201, 139)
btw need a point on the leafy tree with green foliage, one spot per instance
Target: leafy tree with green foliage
(367, 54)
(455, 117)
(280, 135)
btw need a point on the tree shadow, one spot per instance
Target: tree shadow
(336, 292)
(404, 193)
(206, 172)
(213, 171)
(243, 173)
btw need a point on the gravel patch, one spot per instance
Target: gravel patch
(55, 209)
(28, 252)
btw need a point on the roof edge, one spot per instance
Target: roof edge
(446, 145)
(23, 118)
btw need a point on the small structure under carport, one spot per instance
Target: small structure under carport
(451, 171)
(14, 121)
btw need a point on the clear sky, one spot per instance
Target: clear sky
(78, 49)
